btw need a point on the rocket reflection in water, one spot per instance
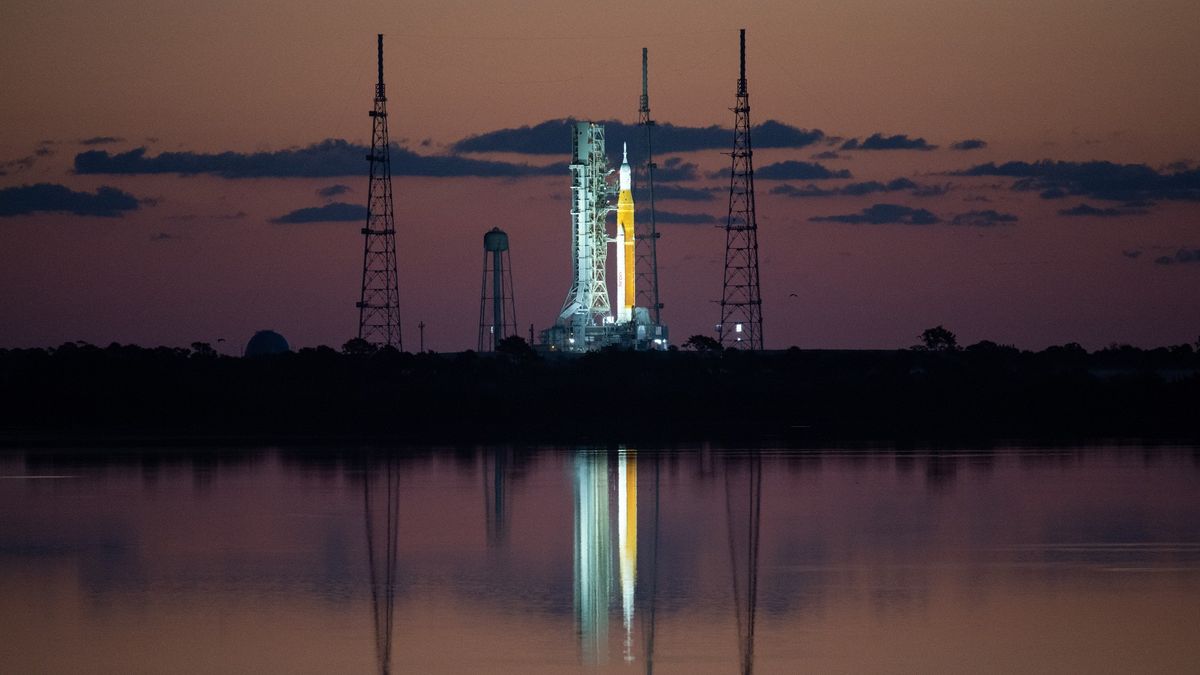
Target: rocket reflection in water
(594, 552)
(627, 534)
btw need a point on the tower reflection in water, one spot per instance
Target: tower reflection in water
(743, 515)
(606, 491)
(593, 554)
(381, 514)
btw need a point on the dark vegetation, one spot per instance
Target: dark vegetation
(935, 389)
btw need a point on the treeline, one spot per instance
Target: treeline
(81, 391)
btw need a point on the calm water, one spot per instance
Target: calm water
(1083, 560)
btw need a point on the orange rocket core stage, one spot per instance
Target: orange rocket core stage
(625, 240)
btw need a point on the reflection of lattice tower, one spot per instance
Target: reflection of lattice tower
(497, 307)
(381, 514)
(647, 235)
(587, 301)
(741, 304)
(379, 303)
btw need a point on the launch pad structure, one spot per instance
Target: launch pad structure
(587, 321)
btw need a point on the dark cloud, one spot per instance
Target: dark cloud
(1088, 210)
(932, 190)
(674, 169)
(881, 142)
(107, 202)
(809, 190)
(1098, 180)
(828, 154)
(331, 157)
(20, 164)
(333, 190)
(883, 214)
(43, 151)
(794, 170)
(984, 218)
(680, 193)
(1131, 253)
(969, 144)
(188, 217)
(977, 198)
(553, 137)
(101, 140)
(860, 189)
(162, 236)
(330, 213)
(1183, 255)
(675, 218)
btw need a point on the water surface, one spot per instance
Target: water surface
(583, 560)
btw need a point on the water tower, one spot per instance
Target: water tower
(497, 310)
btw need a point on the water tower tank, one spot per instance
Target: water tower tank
(495, 240)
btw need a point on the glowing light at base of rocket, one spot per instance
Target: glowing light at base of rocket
(626, 262)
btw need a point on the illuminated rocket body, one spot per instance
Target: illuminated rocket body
(626, 263)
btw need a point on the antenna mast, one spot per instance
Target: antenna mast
(379, 302)
(741, 304)
(647, 240)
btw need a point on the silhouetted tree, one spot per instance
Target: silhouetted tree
(702, 343)
(989, 347)
(515, 346)
(938, 339)
(358, 347)
(203, 350)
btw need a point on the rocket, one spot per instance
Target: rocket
(626, 263)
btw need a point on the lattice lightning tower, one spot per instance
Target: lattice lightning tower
(741, 304)
(379, 303)
(647, 239)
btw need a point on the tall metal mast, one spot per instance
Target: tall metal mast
(741, 304)
(647, 241)
(379, 303)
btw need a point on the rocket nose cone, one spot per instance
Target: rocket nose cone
(626, 172)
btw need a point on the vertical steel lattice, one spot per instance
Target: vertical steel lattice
(646, 240)
(741, 305)
(379, 303)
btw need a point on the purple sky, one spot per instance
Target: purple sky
(985, 240)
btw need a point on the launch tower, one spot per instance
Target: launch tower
(741, 305)
(379, 302)
(587, 301)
